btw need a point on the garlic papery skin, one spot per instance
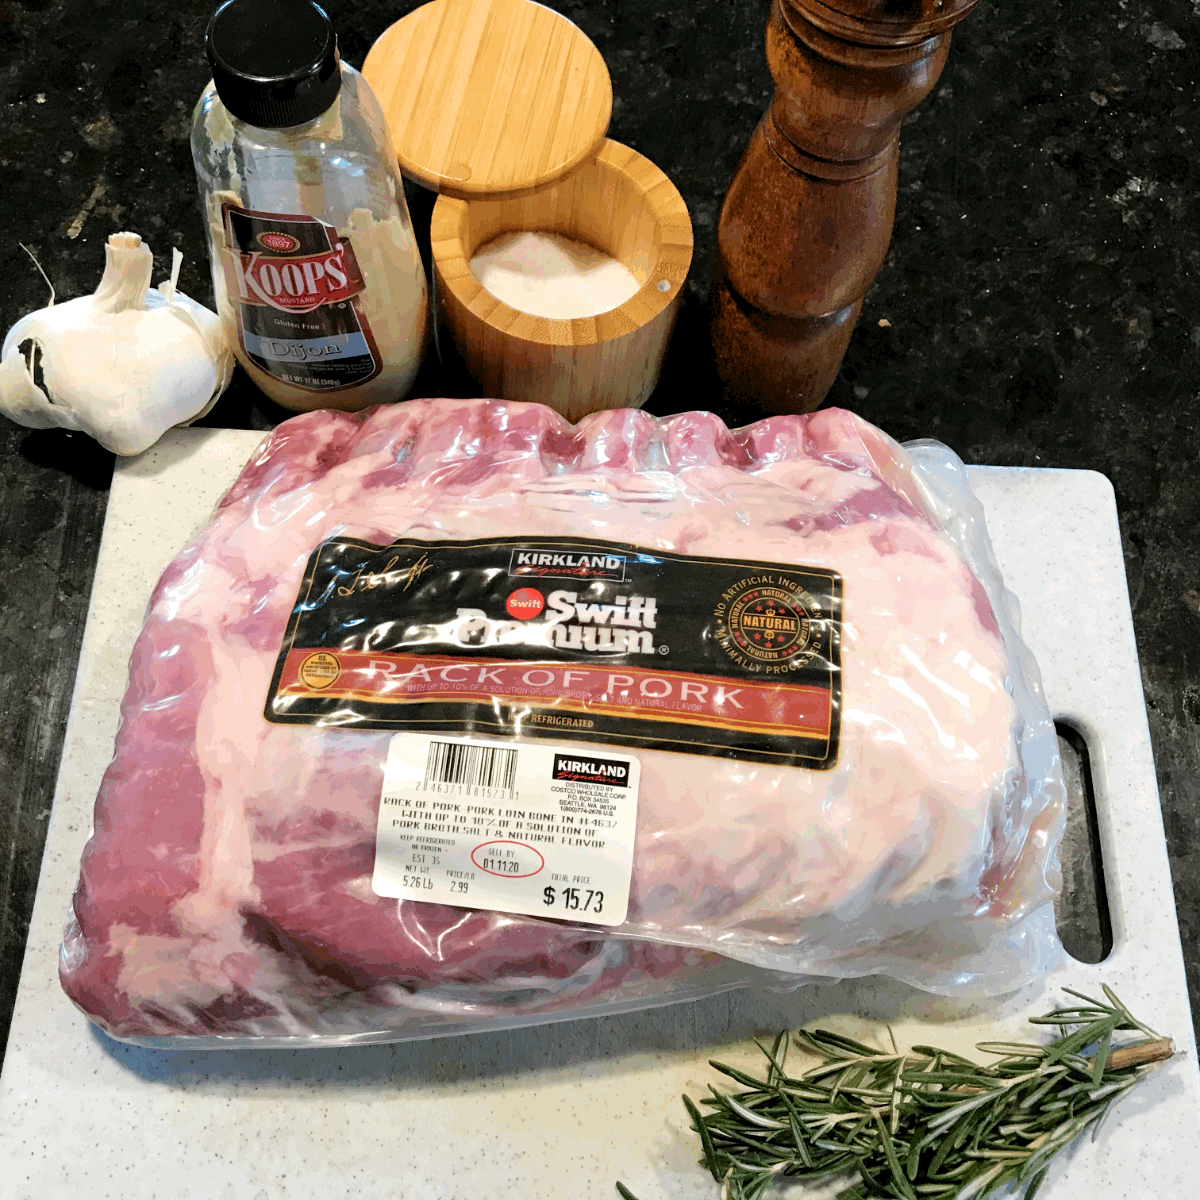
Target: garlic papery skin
(124, 364)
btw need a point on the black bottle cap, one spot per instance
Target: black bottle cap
(274, 62)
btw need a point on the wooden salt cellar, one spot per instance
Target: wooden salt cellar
(502, 106)
(808, 217)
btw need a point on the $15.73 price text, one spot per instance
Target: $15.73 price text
(574, 899)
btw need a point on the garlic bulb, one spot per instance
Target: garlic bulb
(123, 364)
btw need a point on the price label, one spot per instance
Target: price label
(519, 828)
(574, 899)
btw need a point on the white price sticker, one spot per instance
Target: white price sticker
(545, 830)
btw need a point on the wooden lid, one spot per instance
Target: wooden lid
(489, 96)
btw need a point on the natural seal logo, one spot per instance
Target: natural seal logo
(767, 620)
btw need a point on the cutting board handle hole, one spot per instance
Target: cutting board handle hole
(1081, 911)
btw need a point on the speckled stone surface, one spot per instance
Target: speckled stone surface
(1038, 306)
(520, 1112)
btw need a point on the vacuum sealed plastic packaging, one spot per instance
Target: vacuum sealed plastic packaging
(458, 716)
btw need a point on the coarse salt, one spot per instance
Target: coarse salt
(548, 275)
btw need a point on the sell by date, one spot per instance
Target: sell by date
(502, 866)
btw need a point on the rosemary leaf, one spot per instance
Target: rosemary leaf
(1036, 1183)
(889, 1152)
(943, 1152)
(914, 1159)
(776, 1057)
(748, 1114)
(853, 1049)
(737, 1076)
(1101, 1059)
(980, 1184)
(798, 1138)
(710, 1154)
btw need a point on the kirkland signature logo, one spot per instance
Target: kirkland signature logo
(591, 769)
(567, 564)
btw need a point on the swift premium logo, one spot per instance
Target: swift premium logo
(567, 622)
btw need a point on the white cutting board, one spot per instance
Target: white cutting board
(562, 1111)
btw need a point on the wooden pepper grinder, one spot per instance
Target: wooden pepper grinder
(808, 217)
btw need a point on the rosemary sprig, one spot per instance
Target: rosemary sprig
(926, 1125)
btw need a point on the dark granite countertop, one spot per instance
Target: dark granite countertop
(1041, 298)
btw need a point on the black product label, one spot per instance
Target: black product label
(566, 638)
(591, 769)
(295, 285)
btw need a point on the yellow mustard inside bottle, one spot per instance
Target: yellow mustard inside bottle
(316, 273)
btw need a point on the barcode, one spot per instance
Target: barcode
(472, 766)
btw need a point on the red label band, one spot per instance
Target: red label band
(613, 689)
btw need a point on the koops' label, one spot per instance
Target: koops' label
(568, 639)
(294, 282)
